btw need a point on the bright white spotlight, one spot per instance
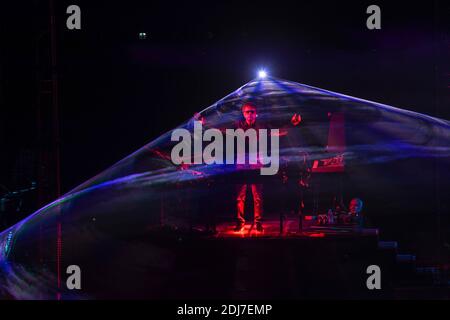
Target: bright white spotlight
(262, 74)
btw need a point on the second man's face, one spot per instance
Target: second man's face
(355, 206)
(249, 113)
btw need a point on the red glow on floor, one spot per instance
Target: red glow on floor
(271, 229)
(247, 231)
(317, 235)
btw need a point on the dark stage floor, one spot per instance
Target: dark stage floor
(320, 263)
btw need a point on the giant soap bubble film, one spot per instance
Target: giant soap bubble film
(132, 227)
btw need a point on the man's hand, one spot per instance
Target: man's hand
(199, 117)
(296, 119)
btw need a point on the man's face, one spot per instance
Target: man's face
(355, 206)
(249, 113)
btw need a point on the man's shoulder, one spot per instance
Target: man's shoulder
(259, 125)
(239, 124)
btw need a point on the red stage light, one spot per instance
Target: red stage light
(317, 235)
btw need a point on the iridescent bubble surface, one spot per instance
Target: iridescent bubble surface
(129, 227)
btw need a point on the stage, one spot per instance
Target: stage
(315, 264)
(291, 228)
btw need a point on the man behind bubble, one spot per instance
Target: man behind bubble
(249, 112)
